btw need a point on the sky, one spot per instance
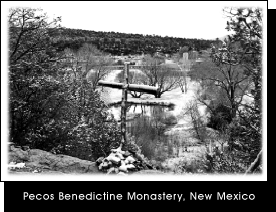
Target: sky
(201, 20)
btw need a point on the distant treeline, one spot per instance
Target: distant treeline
(123, 43)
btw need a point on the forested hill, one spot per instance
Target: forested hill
(123, 43)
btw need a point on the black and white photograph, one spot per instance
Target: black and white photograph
(158, 90)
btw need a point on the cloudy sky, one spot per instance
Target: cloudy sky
(178, 19)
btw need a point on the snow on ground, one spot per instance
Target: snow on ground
(179, 99)
(181, 131)
(13, 165)
(111, 94)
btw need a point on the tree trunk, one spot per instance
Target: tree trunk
(158, 94)
(255, 164)
(123, 106)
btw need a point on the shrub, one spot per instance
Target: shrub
(193, 166)
(52, 109)
(197, 122)
(161, 155)
(169, 120)
(170, 149)
(224, 163)
(87, 138)
(220, 117)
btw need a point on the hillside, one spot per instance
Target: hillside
(117, 43)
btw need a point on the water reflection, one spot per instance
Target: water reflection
(136, 110)
(147, 124)
(148, 106)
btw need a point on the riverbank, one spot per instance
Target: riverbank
(185, 146)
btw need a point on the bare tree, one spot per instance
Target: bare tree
(158, 75)
(89, 63)
(183, 77)
(225, 78)
(192, 112)
(29, 30)
(134, 77)
(95, 64)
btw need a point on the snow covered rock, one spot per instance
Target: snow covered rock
(127, 153)
(119, 155)
(119, 161)
(123, 168)
(129, 159)
(99, 160)
(113, 158)
(130, 166)
(111, 170)
(14, 165)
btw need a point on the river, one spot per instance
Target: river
(161, 130)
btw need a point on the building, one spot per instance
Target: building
(185, 56)
(199, 60)
(169, 61)
(137, 61)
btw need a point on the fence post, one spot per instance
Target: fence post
(123, 104)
